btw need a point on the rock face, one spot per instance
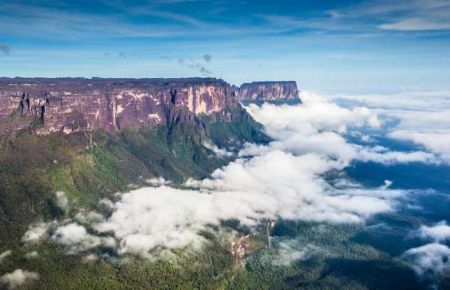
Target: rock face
(78, 104)
(269, 91)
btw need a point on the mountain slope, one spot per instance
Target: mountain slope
(40, 157)
(81, 154)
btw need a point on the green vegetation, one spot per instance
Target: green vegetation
(209, 267)
(337, 263)
(33, 168)
(242, 128)
(89, 168)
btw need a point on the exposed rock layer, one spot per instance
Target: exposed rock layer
(269, 91)
(78, 104)
(89, 104)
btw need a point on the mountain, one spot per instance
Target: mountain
(273, 92)
(70, 157)
(93, 137)
(86, 105)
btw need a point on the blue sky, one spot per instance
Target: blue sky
(321, 44)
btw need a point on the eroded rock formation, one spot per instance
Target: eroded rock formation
(77, 104)
(269, 91)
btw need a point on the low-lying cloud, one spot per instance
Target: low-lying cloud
(17, 278)
(430, 261)
(284, 179)
(421, 117)
(320, 126)
(434, 141)
(439, 232)
(265, 187)
(291, 251)
(36, 232)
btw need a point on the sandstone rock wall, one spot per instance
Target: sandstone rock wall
(110, 104)
(269, 91)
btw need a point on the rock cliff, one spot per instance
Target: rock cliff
(77, 104)
(269, 91)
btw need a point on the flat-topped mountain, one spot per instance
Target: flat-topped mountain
(74, 104)
(80, 104)
(270, 91)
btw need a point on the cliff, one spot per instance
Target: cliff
(77, 104)
(282, 91)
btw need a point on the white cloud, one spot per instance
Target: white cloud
(88, 218)
(62, 200)
(89, 258)
(439, 232)
(416, 24)
(317, 126)
(434, 141)
(422, 116)
(219, 152)
(387, 184)
(108, 204)
(77, 239)
(430, 260)
(315, 113)
(284, 179)
(17, 278)
(393, 157)
(290, 251)
(31, 255)
(160, 181)
(71, 234)
(414, 15)
(276, 184)
(35, 232)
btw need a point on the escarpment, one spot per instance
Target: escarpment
(69, 105)
(77, 104)
(273, 91)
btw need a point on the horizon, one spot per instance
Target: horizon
(144, 79)
(327, 45)
(220, 144)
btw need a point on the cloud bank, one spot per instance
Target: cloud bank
(420, 117)
(318, 123)
(17, 278)
(439, 232)
(284, 179)
(290, 251)
(430, 261)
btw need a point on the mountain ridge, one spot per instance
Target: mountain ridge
(70, 105)
(270, 91)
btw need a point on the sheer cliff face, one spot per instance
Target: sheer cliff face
(269, 91)
(87, 105)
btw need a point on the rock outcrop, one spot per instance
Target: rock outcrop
(77, 104)
(269, 91)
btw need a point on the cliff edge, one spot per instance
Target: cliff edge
(76, 104)
(273, 91)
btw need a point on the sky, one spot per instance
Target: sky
(321, 44)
